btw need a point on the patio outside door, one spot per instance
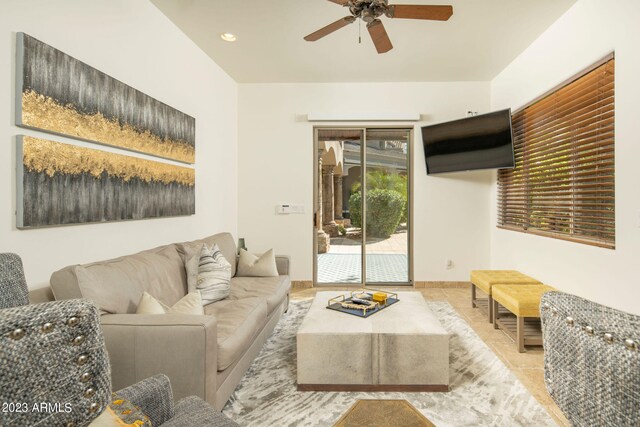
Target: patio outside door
(362, 206)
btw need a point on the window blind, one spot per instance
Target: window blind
(563, 183)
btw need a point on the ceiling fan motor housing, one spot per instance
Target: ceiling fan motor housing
(368, 10)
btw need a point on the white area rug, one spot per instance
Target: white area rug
(483, 391)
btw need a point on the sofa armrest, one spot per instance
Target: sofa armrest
(153, 396)
(282, 263)
(181, 346)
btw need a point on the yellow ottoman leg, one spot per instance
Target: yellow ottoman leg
(491, 310)
(520, 333)
(473, 296)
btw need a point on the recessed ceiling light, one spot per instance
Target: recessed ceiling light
(228, 37)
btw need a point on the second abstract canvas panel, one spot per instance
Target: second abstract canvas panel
(61, 184)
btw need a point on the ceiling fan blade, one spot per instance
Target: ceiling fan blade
(379, 36)
(330, 28)
(415, 11)
(340, 2)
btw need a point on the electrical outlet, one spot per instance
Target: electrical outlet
(448, 264)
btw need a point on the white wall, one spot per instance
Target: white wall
(586, 33)
(135, 43)
(276, 166)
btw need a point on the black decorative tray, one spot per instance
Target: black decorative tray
(346, 304)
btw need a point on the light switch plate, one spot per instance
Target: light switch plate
(289, 208)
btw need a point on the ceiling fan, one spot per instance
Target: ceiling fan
(370, 10)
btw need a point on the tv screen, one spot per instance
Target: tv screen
(478, 142)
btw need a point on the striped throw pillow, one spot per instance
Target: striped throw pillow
(214, 275)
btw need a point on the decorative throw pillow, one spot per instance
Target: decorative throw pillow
(214, 275)
(120, 413)
(262, 266)
(191, 266)
(189, 304)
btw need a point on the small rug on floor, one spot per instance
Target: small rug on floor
(483, 391)
(383, 413)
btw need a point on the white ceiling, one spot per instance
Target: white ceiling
(481, 38)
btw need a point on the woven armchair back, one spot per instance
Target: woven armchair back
(54, 368)
(13, 286)
(591, 361)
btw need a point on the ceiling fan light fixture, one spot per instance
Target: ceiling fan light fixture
(367, 15)
(228, 37)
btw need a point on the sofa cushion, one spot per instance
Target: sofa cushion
(224, 241)
(273, 289)
(239, 322)
(117, 285)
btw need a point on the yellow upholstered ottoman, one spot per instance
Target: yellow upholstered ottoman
(486, 279)
(523, 301)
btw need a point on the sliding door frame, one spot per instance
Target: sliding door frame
(363, 178)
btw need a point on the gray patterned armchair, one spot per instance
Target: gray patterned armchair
(54, 367)
(591, 361)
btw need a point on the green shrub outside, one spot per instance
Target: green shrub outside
(384, 211)
(384, 180)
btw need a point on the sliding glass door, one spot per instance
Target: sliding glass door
(387, 206)
(362, 206)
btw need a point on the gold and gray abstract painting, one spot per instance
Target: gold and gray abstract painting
(59, 94)
(67, 184)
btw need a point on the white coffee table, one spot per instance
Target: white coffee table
(401, 348)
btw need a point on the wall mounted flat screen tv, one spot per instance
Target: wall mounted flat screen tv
(479, 142)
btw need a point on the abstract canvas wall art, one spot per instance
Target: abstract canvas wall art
(59, 94)
(61, 183)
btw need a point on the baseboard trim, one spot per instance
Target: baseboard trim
(434, 388)
(301, 284)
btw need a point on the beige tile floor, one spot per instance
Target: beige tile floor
(528, 366)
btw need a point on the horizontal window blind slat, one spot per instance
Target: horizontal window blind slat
(546, 168)
(601, 84)
(561, 236)
(553, 191)
(532, 202)
(585, 227)
(586, 212)
(587, 182)
(562, 106)
(560, 227)
(544, 135)
(604, 236)
(577, 86)
(526, 200)
(605, 171)
(598, 104)
(602, 131)
(585, 152)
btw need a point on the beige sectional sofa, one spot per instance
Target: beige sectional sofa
(203, 355)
